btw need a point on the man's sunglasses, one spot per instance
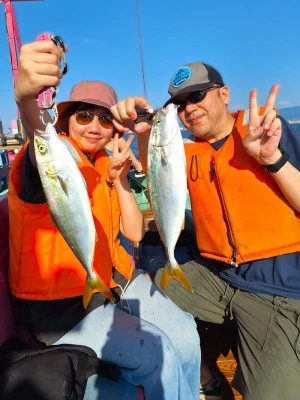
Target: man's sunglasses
(84, 117)
(194, 97)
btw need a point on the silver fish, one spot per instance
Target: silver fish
(167, 186)
(67, 197)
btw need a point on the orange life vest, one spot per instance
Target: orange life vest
(42, 265)
(240, 214)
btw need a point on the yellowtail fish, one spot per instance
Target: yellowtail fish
(167, 186)
(67, 197)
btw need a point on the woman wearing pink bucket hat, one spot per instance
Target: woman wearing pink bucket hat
(154, 343)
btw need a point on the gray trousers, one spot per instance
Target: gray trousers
(268, 331)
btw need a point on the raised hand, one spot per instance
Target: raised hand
(124, 113)
(120, 160)
(264, 132)
(39, 66)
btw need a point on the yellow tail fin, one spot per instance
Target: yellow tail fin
(87, 294)
(177, 273)
(98, 284)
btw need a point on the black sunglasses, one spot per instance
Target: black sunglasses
(194, 97)
(84, 117)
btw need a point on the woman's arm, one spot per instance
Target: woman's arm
(131, 222)
(39, 67)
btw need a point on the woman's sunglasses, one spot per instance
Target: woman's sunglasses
(84, 117)
(194, 97)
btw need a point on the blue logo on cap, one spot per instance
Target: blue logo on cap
(181, 76)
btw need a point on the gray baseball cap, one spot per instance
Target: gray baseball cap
(191, 78)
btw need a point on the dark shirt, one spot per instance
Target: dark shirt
(32, 190)
(277, 275)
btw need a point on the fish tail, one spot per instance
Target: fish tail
(98, 284)
(87, 294)
(102, 288)
(177, 273)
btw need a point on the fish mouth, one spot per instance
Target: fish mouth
(164, 111)
(42, 134)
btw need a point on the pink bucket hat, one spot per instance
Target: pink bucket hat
(91, 92)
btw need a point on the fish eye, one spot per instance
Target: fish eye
(42, 149)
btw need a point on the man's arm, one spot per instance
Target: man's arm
(262, 143)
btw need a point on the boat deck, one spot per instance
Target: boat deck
(219, 349)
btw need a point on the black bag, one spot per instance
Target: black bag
(52, 373)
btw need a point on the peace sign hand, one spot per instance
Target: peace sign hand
(120, 160)
(264, 132)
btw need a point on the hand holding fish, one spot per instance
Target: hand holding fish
(131, 220)
(120, 161)
(264, 132)
(39, 67)
(125, 115)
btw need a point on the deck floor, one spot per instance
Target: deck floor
(218, 345)
(227, 367)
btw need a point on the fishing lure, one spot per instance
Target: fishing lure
(46, 97)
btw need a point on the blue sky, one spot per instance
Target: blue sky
(252, 43)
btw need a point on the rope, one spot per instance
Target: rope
(123, 298)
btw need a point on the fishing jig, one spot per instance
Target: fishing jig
(46, 97)
(145, 114)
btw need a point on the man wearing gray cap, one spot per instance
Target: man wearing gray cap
(244, 184)
(193, 78)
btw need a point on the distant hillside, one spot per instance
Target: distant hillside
(291, 113)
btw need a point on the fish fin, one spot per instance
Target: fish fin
(87, 294)
(71, 149)
(98, 284)
(177, 273)
(105, 291)
(63, 185)
(164, 155)
(74, 154)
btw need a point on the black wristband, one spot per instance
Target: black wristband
(279, 164)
